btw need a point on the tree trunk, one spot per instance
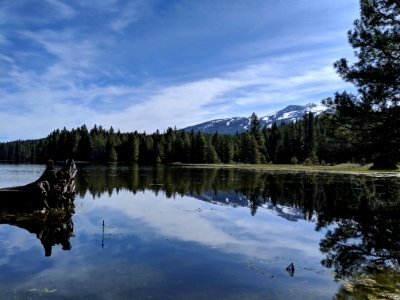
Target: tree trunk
(52, 190)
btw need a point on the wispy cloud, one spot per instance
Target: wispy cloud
(140, 68)
(147, 108)
(3, 39)
(129, 14)
(190, 103)
(6, 58)
(62, 8)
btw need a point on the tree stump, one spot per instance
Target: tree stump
(52, 190)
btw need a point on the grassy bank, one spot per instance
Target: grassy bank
(340, 168)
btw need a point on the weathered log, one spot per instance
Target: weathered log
(52, 190)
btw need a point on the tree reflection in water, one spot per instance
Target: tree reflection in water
(364, 247)
(53, 227)
(361, 212)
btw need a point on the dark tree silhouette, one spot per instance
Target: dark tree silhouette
(373, 115)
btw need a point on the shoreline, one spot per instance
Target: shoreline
(350, 169)
(345, 168)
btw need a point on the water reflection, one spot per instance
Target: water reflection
(361, 212)
(43, 207)
(53, 227)
(166, 232)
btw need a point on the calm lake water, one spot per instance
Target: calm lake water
(176, 233)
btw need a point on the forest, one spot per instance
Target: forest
(309, 141)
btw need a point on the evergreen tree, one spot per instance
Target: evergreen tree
(255, 126)
(84, 144)
(227, 149)
(249, 152)
(210, 154)
(273, 138)
(255, 130)
(309, 136)
(112, 155)
(159, 152)
(134, 143)
(373, 115)
(147, 149)
(170, 138)
(183, 147)
(179, 149)
(254, 153)
(198, 148)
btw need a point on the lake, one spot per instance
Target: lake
(185, 233)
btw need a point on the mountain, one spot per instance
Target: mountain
(237, 199)
(289, 114)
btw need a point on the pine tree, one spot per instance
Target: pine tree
(84, 144)
(249, 152)
(255, 126)
(133, 146)
(309, 137)
(198, 148)
(170, 138)
(373, 115)
(211, 155)
(255, 131)
(273, 142)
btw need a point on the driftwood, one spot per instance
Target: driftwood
(52, 190)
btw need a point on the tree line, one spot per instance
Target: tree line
(311, 140)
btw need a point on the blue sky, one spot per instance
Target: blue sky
(151, 64)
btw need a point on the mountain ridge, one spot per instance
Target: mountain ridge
(290, 113)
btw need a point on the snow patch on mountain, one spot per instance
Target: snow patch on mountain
(289, 114)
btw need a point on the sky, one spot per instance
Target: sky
(152, 64)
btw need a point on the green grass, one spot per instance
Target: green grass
(340, 168)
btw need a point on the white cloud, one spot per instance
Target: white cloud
(70, 51)
(196, 101)
(190, 220)
(55, 98)
(264, 244)
(14, 239)
(67, 78)
(3, 40)
(6, 58)
(62, 8)
(172, 106)
(131, 13)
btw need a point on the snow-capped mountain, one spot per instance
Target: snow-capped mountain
(237, 199)
(289, 114)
